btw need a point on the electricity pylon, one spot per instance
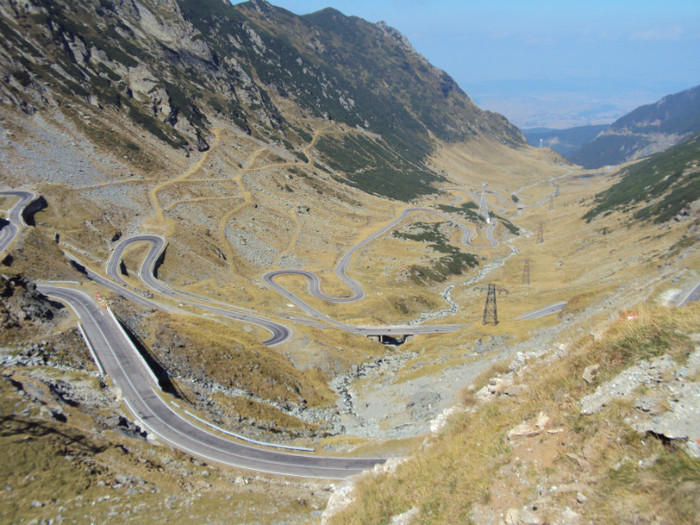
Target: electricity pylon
(540, 234)
(491, 308)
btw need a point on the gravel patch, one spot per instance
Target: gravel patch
(250, 247)
(625, 383)
(55, 155)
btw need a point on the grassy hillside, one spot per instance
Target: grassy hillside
(532, 455)
(171, 68)
(609, 150)
(678, 113)
(656, 189)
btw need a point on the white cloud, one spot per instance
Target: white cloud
(658, 34)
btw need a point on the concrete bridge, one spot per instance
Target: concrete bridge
(388, 335)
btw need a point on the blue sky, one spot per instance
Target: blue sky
(545, 62)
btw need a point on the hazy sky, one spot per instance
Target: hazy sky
(556, 63)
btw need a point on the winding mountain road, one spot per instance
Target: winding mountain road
(280, 332)
(147, 273)
(356, 291)
(10, 228)
(120, 360)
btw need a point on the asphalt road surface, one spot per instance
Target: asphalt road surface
(356, 291)
(8, 230)
(280, 333)
(120, 361)
(543, 312)
(692, 295)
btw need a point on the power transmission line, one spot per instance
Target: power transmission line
(491, 308)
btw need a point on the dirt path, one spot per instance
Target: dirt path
(159, 218)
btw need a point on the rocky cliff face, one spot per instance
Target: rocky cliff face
(24, 311)
(171, 67)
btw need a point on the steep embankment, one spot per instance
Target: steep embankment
(250, 140)
(613, 423)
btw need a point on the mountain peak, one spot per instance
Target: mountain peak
(397, 35)
(262, 6)
(173, 71)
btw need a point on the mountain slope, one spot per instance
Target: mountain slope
(245, 149)
(250, 139)
(658, 188)
(644, 131)
(172, 67)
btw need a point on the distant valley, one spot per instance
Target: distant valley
(563, 141)
(644, 131)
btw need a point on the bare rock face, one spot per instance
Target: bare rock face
(173, 30)
(644, 373)
(202, 145)
(590, 372)
(22, 304)
(670, 405)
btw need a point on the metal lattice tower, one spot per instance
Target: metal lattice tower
(526, 272)
(491, 308)
(540, 234)
(556, 192)
(551, 203)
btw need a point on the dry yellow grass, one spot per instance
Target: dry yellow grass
(54, 468)
(471, 466)
(234, 360)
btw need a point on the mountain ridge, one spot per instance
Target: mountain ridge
(643, 131)
(170, 67)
